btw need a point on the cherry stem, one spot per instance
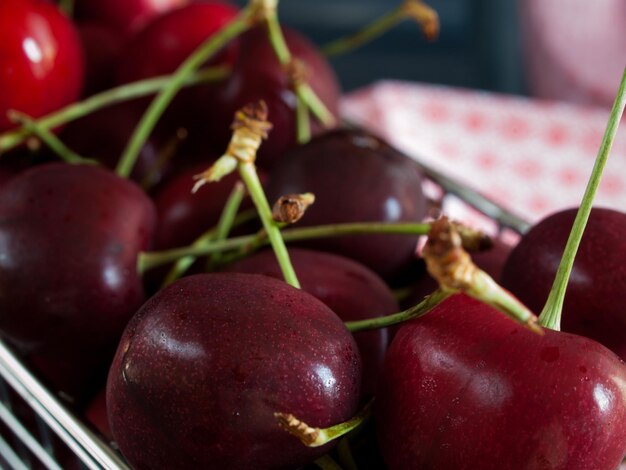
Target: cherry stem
(345, 454)
(303, 123)
(326, 462)
(157, 107)
(305, 96)
(13, 138)
(48, 138)
(316, 437)
(453, 269)
(416, 311)
(410, 9)
(248, 174)
(183, 263)
(164, 156)
(67, 6)
(150, 260)
(226, 221)
(551, 314)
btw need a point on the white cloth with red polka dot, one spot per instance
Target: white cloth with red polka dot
(529, 156)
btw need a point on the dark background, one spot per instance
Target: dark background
(478, 46)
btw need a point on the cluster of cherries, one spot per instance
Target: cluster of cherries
(204, 365)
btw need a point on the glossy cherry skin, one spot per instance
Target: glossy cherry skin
(204, 365)
(464, 387)
(351, 290)
(125, 15)
(42, 61)
(356, 177)
(171, 37)
(103, 136)
(595, 305)
(70, 239)
(259, 76)
(182, 215)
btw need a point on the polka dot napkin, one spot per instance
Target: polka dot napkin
(531, 157)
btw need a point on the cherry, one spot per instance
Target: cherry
(204, 365)
(125, 15)
(594, 305)
(102, 46)
(96, 414)
(102, 135)
(350, 289)
(171, 37)
(182, 215)
(464, 387)
(258, 75)
(355, 177)
(70, 239)
(42, 64)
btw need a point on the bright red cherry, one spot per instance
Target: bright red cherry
(464, 387)
(41, 60)
(165, 43)
(125, 15)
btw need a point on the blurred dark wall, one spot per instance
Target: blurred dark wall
(478, 46)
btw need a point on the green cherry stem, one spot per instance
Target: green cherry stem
(207, 239)
(316, 437)
(150, 260)
(13, 138)
(303, 123)
(48, 138)
(414, 9)
(326, 462)
(304, 93)
(227, 220)
(416, 311)
(550, 316)
(67, 7)
(199, 56)
(345, 454)
(248, 174)
(250, 127)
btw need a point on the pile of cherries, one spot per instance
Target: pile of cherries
(198, 370)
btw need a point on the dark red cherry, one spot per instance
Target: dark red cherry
(68, 262)
(103, 136)
(204, 365)
(464, 387)
(595, 305)
(102, 45)
(351, 290)
(96, 414)
(41, 60)
(356, 177)
(170, 39)
(259, 76)
(125, 15)
(182, 215)
(161, 46)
